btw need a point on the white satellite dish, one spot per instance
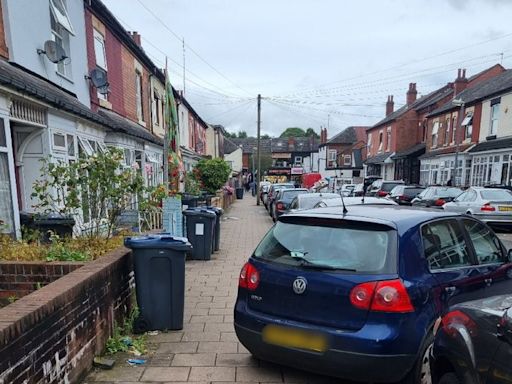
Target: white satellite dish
(53, 51)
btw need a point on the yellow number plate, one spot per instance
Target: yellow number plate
(505, 208)
(293, 338)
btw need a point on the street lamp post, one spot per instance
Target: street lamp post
(459, 103)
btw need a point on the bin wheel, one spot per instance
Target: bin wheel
(140, 325)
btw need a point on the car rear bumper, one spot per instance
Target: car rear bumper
(333, 362)
(351, 355)
(497, 220)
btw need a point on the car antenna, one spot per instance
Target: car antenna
(345, 211)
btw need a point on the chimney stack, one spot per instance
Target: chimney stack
(291, 143)
(460, 82)
(411, 94)
(390, 105)
(136, 37)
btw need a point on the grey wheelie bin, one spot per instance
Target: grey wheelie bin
(159, 262)
(219, 212)
(200, 227)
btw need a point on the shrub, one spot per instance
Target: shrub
(212, 174)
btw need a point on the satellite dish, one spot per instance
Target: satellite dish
(98, 78)
(53, 51)
(104, 90)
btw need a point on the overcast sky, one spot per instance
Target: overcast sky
(315, 62)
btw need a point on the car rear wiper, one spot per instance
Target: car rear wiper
(305, 263)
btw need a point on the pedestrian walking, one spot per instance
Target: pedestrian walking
(253, 188)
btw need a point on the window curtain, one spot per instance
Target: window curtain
(6, 214)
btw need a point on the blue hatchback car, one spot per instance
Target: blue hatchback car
(357, 295)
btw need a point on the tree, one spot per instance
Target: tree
(231, 135)
(242, 135)
(293, 132)
(265, 136)
(310, 132)
(212, 174)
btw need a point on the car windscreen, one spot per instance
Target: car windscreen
(448, 192)
(386, 187)
(411, 192)
(309, 202)
(496, 194)
(290, 194)
(357, 247)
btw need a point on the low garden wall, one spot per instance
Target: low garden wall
(53, 334)
(18, 278)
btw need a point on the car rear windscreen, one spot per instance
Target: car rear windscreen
(496, 195)
(386, 187)
(412, 191)
(368, 248)
(290, 194)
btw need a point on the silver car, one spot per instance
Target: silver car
(491, 205)
(354, 201)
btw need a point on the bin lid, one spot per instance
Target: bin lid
(158, 241)
(203, 212)
(53, 218)
(217, 210)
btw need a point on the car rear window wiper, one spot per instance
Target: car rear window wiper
(305, 263)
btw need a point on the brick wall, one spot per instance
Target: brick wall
(18, 279)
(4, 52)
(53, 334)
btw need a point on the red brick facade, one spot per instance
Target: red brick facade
(4, 52)
(122, 66)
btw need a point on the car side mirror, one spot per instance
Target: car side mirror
(505, 327)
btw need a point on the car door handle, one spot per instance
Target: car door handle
(450, 289)
(488, 282)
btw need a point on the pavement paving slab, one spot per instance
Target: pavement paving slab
(207, 351)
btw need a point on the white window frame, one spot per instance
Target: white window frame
(156, 108)
(447, 132)
(56, 147)
(369, 144)
(331, 158)
(101, 57)
(85, 145)
(138, 95)
(298, 160)
(60, 13)
(60, 38)
(381, 140)
(388, 139)
(349, 158)
(435, 134)
(494, 120)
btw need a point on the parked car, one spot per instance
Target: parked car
(272, 192)
(381, 188)
(473, 343)
(403, 194)
(308, 201)
(283, 200)
(352, 200)
(347, 189)
(491, 205)
(436, 197)
(357, 295)
(359, 190)
(500, 186)
(264, 193)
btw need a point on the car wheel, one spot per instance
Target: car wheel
(449, 378)
(421, 372)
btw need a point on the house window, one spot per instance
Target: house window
(388, 139)
(495, 112)
(298, 160)
(381, 136)
(60, 34)
(101, 57)
(454, 129)
(347, 160)
(138, 95)
(156, 108)
(467, 124)
(435, 130)
(369, 145)
(447, 132)
(332, 158)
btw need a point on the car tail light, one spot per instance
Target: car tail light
(487, 208)
(249, 277)
(453, 319)
(381, 296)
(382, 193)
(280, 206)
(402, 198)
(439, 202)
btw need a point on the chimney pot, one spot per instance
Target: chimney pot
(136, 38)
(389, 105)
(411, 94)
(460, 82)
